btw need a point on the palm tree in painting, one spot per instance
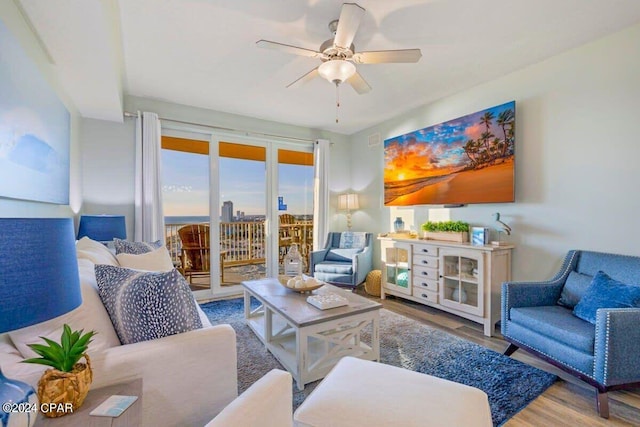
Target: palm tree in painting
(485, 137)
(471, 149)
(506, 121)
(486, 120)
(497, 145)
(467, 149)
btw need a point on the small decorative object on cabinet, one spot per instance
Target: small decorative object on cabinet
(398, 224)
(501, 228)
(293, 261)
(479, 236)
(455, 277)
(450, 231)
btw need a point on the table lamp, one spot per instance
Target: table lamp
(102, 228)
(348, 202)
(38, 281)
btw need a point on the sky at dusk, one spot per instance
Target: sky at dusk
(186, 185)
(436, 150)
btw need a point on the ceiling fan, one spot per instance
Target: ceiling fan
(338, 54)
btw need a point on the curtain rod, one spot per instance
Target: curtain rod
(246, 133)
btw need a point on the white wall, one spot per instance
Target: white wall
(108, 168)
(577, 155)
(108, 153)
(13, 20)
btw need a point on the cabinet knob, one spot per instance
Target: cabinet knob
(441, 276)
(425, 296)
(426, 251)
(424, 273)
(424, 284)
(424, 261)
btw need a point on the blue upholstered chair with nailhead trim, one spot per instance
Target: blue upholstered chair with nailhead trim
(540, 318)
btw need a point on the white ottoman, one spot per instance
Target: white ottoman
(364, 393)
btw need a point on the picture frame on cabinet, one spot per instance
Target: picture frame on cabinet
(479, 236)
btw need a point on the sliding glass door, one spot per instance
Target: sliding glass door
(185, 192)
(242, 186)
(295, 204)
(234, 207)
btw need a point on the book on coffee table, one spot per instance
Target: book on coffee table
(326, 301)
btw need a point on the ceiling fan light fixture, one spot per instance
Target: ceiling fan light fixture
(336, 70)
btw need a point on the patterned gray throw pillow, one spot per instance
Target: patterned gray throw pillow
(146, 305)
(135, 248)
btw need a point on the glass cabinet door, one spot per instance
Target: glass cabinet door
(398, 268)
(461, 284)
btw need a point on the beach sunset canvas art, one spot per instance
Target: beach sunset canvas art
(465, 160)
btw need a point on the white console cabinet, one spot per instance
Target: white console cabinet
(456, 277)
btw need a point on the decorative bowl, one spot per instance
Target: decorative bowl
(282, 279)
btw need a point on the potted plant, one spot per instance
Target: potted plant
(64, 387)
(451, 231)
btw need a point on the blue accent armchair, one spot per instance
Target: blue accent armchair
(346, 264)
(604, 355)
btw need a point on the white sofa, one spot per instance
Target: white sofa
(188, 378)
(267, 403)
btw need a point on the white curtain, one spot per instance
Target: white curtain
(149, 221)
(321, 156)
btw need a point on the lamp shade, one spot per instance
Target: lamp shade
(38, 271)
(102, 228)
(336, 70)
(348, 202)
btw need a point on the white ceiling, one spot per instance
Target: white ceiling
(202, 52)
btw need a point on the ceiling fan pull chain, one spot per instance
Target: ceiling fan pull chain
(337, 99)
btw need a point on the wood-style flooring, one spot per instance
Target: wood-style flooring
(566, 403)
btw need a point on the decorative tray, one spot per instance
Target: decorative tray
(308, 283)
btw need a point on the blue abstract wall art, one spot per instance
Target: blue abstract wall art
(34, 130)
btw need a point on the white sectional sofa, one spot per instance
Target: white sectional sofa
(188, 378)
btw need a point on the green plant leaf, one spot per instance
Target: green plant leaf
(64, 355)
(42, 361)
(65, 339)
(82, 343)
(54, 345)
(47, 352)
(447, 226)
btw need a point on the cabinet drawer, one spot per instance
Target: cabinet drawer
(425, 261)
(425, 284)
(425, 250)
(424, 273)
(426, 295)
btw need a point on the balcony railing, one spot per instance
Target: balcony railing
(244, 242)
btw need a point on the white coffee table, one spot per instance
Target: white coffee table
(308, 341)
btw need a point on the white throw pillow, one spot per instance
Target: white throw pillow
(94, 251)
(90, 316)
(156, 260)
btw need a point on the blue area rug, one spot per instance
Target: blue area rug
(511, 385)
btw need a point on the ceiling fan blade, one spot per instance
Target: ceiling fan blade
(310, 75)
(266, 44)
(348, 24)
(358, 83)
(382, 56)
